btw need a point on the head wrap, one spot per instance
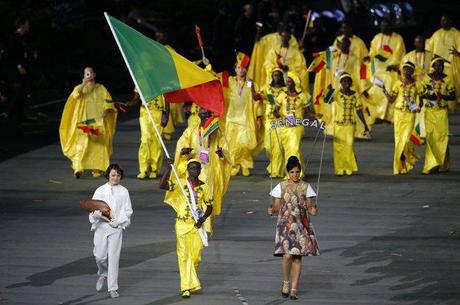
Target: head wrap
(193, 160)
(435, 59)
(409, 64)
(295, 78)
(345, 75)
(242, 60)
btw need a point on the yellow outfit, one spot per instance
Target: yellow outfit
(262, 47)
(84, 150)
(422, 61)
(292, 108)
(378, 104)
(240, 122)
(437, 126)
(272, 137)
(194, 117)
(440, 43)
(189, 244)
(150, 149)
(344, 130)
(340, 63)
(404, 121)
(216, 172)
(357, 47)
(291, 57)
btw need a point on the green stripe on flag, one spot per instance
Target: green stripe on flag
(328, 58)
(151, 62)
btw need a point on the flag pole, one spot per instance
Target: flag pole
(202, 230)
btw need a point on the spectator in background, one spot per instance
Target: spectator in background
(222, 38)
(245, 30)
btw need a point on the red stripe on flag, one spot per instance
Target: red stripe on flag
(208, 95)
(414, 139)
(363, 72)
(198, 36)
(225, 76)
(317, 98)
(319, 67)
(388, 49)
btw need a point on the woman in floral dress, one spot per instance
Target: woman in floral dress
(294, 236)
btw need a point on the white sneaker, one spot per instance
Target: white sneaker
(100, 283)
(114, 294)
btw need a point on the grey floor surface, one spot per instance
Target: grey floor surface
(384, 239)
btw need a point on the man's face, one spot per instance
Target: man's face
(385, 27)
(345, 29)
(194, 169)
(285, 37)
(408, 72)
(419, 43)
(446, 23)
(204, 114)
(240, 71)
(344, 46)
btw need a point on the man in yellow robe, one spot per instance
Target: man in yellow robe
(421, 58)
(87, 126)
(213, 152)
(288, 58)
(357, 46)
(150, 150)
(189, 244)
(261, 49)
(243, 119)
(442, 43)
(385, 55)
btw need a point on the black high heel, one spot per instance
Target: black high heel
(285, 294)
(293, 295)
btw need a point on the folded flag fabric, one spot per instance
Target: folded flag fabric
(318, 63)
(329, 96)
(158, 70)
(415, 136)
(89, 127)
(384, 53)
(210, 125)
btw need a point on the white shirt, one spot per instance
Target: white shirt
(117, 197)
(276, 192)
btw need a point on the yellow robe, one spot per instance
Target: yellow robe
(357, 47)
(378, 104)
(272, 138)
(88, 151)
(240, 122)
(189, 244)
(344, 130)
(216, 173)
(422, 62)
(440, 43)
(291, 136)
(437, 126)
(404, 121)
(291, 57)
(150, 149)
(270, 41)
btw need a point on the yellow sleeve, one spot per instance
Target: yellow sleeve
(180, 161)
(374, 46)
(358, 103)
(174, 194)
(399, 51)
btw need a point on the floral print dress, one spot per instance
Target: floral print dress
(294, 231)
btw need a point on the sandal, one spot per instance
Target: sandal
(293, 295)
(285, 287)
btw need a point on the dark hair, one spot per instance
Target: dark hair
(292, 162)
(20, 21)
(116, 167)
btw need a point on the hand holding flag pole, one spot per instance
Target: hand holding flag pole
(307, 25)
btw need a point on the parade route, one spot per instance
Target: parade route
(383, 239)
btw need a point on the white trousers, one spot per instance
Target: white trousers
(107, 248)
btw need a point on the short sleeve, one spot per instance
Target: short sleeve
(310, 192)
(276, 192)
(207, 197)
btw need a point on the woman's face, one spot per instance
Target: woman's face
(240, 71)
(286, 245)
(290, 83)
(439, 66)
(277, 77)
(294, 174)
(114, 177)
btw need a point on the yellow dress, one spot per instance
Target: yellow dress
(292, 108)
(344, 130)
(189, 244)
(216, 172)
(437, 126)
(404, 120)
(150, 149)
(378, 104)
(240, 122)
(422, 62)
(270, 41)
(440, 43)
(84, 150)
(291, 57)
(340, 63)
(272, 138)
